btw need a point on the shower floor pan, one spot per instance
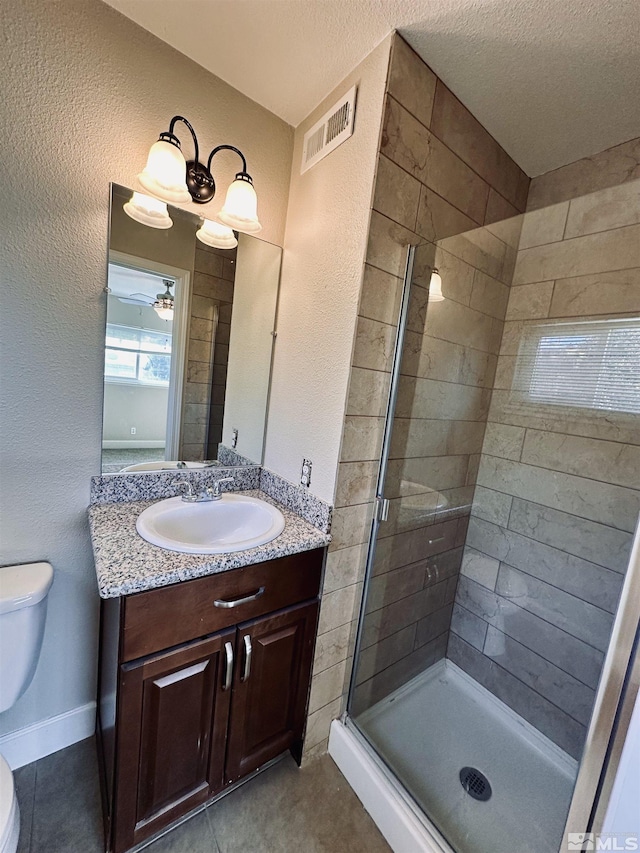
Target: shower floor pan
(443, 722)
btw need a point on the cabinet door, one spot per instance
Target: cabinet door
(270, 688)
(174, 710)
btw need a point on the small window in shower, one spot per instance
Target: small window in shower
(593, 364)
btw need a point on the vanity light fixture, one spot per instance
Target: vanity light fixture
(435, 287)
(163, 306)
(148, 211)
(168, 177)
(217, 235)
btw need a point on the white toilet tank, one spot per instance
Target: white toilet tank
(23, 607)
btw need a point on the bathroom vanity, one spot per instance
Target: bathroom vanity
(202, 681)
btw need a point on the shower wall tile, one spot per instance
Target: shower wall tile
(380, 296)
(387, 244)
(398, 674)
(613, 207)
(606, 293)
(596, 253)
(489, 295)
(378, 657)
(327, 686)
(425, 190)
(361, 438)
(469, 627)
(608, 504)
(411, 82)
(331, 648)
(499, 210)
(374, 345)
(480, 568)
(435, 625)
(570, 654)
(560, 688)
(456, 127)
(503, 440)
(606, 461)
(368, 392)
(596, 542)
(397, 193)
(544, 226)
(545, 716)
(581, 578)
(582, 620)
(438, 219)
(491, 505)
(609, 168)
(530, 301)
(344, 567)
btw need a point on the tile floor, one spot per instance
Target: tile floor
(284, 810)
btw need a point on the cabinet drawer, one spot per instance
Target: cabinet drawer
(165, 617)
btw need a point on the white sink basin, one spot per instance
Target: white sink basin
(233, 523)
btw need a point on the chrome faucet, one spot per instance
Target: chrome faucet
(211, 493)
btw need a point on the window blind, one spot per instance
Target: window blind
(592, 364)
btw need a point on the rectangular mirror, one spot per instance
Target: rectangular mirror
(188, 385)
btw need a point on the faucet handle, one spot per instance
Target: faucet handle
(217, 483)
(188, 493)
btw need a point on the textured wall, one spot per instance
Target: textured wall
(85, 92)
(327, 222)
(558, 486)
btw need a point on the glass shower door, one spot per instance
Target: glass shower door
(508, 494)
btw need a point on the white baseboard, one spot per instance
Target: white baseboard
(404, 831)
(47, 736)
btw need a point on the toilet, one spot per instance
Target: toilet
(23, 608)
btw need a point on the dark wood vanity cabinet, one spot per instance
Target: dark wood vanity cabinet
(180, 723)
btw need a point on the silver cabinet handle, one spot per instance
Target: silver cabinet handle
(247, 658)
(228, 673)
(236, 602)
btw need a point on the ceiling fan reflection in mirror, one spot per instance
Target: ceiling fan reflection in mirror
(162, 304)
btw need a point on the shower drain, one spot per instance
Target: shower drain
(475, 783)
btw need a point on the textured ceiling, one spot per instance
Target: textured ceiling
(552, 80)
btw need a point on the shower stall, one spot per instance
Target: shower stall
(507, 496)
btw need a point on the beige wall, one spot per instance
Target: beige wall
(327, 222)
(85, 92)
(439, 172)
(558, 486)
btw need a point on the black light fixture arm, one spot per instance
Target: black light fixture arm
(244, 172)
(169, 136)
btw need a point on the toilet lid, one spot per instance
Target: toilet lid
(7, 791)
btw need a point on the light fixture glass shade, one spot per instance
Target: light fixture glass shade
(164, 311)
(217, 235)
(148, 211)
(435, 287)
(240, 209)
(164, 176)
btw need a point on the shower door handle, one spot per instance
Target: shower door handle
(383, 509)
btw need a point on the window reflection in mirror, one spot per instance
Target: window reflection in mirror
(178, 383)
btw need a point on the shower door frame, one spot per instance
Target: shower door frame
(619, 684)
(381, 504)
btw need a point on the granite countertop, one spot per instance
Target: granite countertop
(127, 563)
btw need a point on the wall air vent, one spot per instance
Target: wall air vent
(334, 127)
